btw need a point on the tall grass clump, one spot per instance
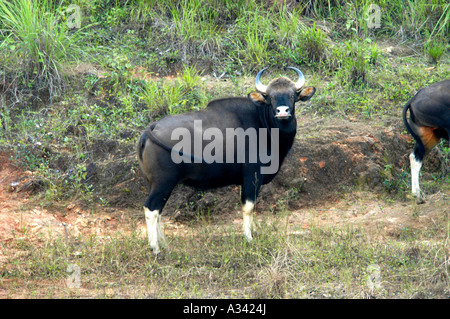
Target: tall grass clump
(321, 8)
(192, 27)
(314, 44)
(174, 96)
(36, 45)
(358, 62)
(442, 26)
(435, 50)
(253, 35)
(288, 34)
(353, 59)
(415, 18)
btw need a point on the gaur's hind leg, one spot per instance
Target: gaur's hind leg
(428, 139)
(152, 211)
(247, 213)
(416, 165)
(154, 232)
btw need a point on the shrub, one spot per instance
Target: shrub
(353, 59)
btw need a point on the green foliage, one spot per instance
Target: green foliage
(193, 21)
(164, 98)
(177, 96)
(358, 62)
(396, 183)
(436, 50)
(314, 45)
(353, 59)
(120, 70)
(408, 19)
(445, 153)
(255, 36)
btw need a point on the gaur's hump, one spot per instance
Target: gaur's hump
(229, 102)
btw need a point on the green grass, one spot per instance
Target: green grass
(213, 260)
(436, 50)
(173, 97)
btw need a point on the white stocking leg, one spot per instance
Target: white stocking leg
(247, 212)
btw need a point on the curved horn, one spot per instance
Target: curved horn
(259, 86)
(301, 78)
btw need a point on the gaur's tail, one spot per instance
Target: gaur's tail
(405, 120)
(141, 145)
(419, 149)
(149, 134)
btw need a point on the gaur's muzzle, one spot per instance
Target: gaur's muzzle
(282, 112)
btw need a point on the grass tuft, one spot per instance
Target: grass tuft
(435, 50)
(36, 46)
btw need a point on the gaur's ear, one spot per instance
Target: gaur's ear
(257, 98)
(306, 93)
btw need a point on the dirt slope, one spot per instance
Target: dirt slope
(331, 161)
